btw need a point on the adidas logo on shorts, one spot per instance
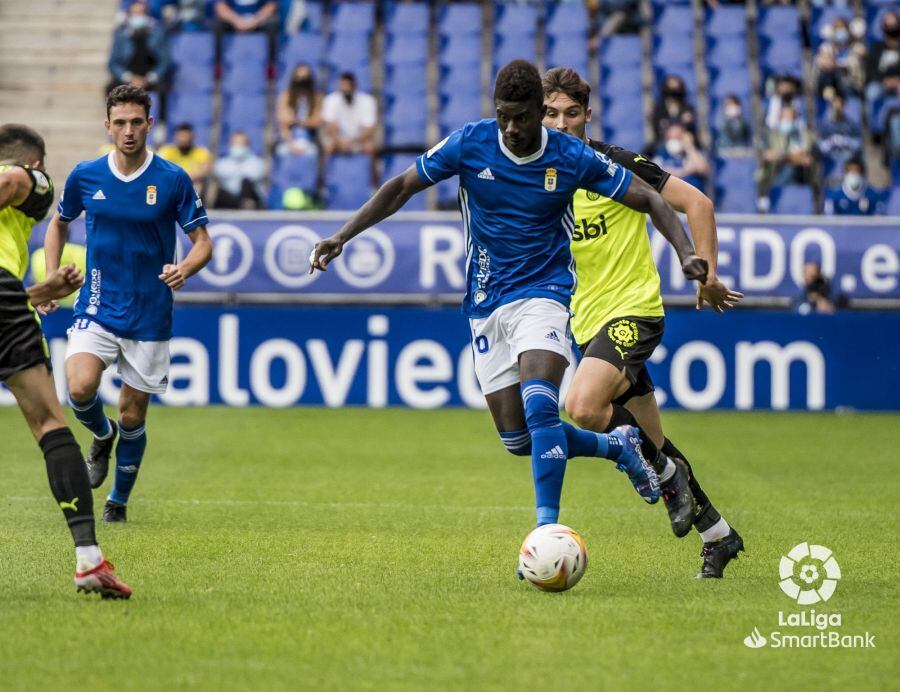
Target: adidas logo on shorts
(555, 453)
(553, 336)
(486, 174)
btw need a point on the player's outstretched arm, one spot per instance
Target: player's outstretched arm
(58, 284)
(701, 217)
(643, 198)
(389, 199)
(201, 252)
(54, 241)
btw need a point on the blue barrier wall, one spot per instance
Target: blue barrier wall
(419, 357)
(422, 255)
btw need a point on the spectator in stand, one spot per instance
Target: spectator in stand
(196, 161)
(242, 16)
(617, 17)
(673, 107)
(140, 52)
(299, 112)
(239, 175)
(841, 58)
(349, 118)
(734, 130)
(816, 296)
(853, 197)
(883, 62)
(840, 139)
(787, 158)
(680, 156)
(787, 92)
(184, 15)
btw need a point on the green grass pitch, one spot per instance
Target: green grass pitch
(356, 549)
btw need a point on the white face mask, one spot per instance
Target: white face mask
(674, 147)
(732, 110)
(138, 21)
(238, 151)
(853, 181)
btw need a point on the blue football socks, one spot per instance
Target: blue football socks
(90, 414)
(129, 454)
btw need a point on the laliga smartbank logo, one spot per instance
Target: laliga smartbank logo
(809, 574)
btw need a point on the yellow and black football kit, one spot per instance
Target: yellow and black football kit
(22, 343)
(617, 306)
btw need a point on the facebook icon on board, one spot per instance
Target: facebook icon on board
(421, 358)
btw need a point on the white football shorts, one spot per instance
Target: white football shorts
(530, 324)
(143, 365)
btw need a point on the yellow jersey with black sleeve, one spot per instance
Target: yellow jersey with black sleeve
(617, 276)
(17, 221)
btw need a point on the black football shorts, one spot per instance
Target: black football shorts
(627, 342)
(22, 343)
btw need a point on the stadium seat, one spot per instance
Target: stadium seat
(625, 81)
(244, 113)
(457, 19)
(196, 77)
(466, 78)
(893, 202)
(778, 22)
(352, 18)
(792, 199)
(401, 49)
(394, 165)
(735, 185)
(621, 50)
(727, 51)
(781, 56)
(186, 107)
(460, 50)
(407, 18)
(196, 48)
(347, 181)
(298, 48)
(566, 19)
(571, 52)
(405, 80)
(627, 137)
(292, 170)
(673, 49)
(670, 16)
(515, 20)
(727, 20)
(457, 111)
(240, 50)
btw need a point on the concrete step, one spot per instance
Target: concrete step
(72, 43)
(55, 10)
(63, 77)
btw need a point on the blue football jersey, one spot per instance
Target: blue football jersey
(517, 211)
(131, 234)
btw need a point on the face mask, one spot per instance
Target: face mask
(348, 98)
(674, 147)
(786, 127)
(853, 181)
(893, 32)
(841, 36)
(238, 151)
(302, 82)
(733, 111)
(185, 148)
(138, 22)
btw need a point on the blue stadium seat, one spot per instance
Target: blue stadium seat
(731, 80)
(673, 17)
(778, 22)
(405, 80)
(460, 50)
(685, 71)
(792, 199)
(731, 50)
(736, 186)
(727, 20)
(515, 20)
(347, 181)
(196, 48)
(511, 49)
(626, 80)
(465, 78)
(293, 170)
(352, 18)
(622, 109)
(627, 137)
(303, 47)
(566, 19)
(241, 50)
(893, 201)
(197, 77)
(248, 79)
(621, 50)
(347, 48)
(247, 114)
(408, 18)
(394, 165)
(781, 56)
(571, 52)
(186, 107)
(457, 19)
(673, 49)
(456, 112)
(406, 50)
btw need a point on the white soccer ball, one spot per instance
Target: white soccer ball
(553, 557)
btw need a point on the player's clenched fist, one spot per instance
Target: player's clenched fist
(695, 268)
(173, 276)
(325, 251)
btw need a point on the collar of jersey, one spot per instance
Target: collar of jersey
(520, 160)
(110, 159)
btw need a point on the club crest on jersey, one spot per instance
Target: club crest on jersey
(550, 180)
(151, 194)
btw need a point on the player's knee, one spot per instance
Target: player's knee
(81, 388)
(587, 414)
(129, 418)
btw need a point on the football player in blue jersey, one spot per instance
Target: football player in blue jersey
(132, 201)
(516, 181)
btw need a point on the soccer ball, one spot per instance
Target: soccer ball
(553, 557)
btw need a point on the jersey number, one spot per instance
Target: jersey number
(589, 231)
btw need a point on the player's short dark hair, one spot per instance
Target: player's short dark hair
(126, 93)
(349, 76)
(565, 80)
(21, 144)
(519, 81)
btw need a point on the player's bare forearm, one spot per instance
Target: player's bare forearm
(200, 253)
(701, 216)
(58, 284)
(15, 186)
(54, 241)
(389, 199)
